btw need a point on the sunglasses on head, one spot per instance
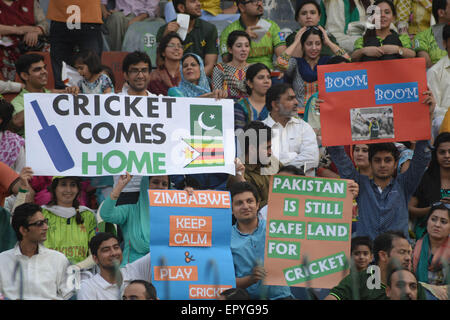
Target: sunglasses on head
(439, 204)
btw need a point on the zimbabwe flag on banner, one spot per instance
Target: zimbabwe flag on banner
(209, 152)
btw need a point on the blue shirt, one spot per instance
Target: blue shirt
(248, 251)
(386, 210)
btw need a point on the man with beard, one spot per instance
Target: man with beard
(266, 35)
(259, 164)
(201, 37)
(110, 283)
(390, 248)
(294, 141)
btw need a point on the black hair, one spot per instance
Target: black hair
(392, 267)
(241, 187)
(134, 58)
(150, 290)
(387, 146)
(365, 3)
(75, 203)
(292, 170)
(89, 58)
(274, 93)
(178, 2)
(384, 241)
(97, 240)
(22, 215)
(305, 2)
(23, 64)
(361, 241)
(337, 60)
(446, 33)
(6, 112)
(436, 6)
(256, 130)
(165, 41)
(233, 36)
(109, 73)
(235, 294)
(251, 73)
(433, 167)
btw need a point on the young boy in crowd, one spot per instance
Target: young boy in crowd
(361, 252)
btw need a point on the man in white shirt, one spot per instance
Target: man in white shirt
(438, 78)
(110, 283)
(30, 271)
(294, 141)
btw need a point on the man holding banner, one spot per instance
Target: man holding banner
(248, 245)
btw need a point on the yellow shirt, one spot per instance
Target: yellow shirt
(445, 127)
(211, 6)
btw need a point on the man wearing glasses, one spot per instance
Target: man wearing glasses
(30, 271)
(266, 35)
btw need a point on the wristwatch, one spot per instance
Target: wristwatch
(400, 51)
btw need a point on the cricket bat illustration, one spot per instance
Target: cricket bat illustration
(57, 150)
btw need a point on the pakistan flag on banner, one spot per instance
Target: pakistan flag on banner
(206, 143)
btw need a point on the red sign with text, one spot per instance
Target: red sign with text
(373, 102)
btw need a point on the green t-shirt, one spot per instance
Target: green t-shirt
(19, 105)
(344, 290)
(68, 237)
(8, 237)
(425, 41)
(202, 39)
(404, 39)
(261, 51)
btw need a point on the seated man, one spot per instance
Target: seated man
(111, 281)
(124, 15)
(140, 290)
(258, 164)
(44, 270)
(267, 44)
(389, 248)
(294, 141)
(428, 43)
(248, 238)
(211, 11)
(201, 37)
(438, 78)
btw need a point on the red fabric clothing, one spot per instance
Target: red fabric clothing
(161, 81)
(7, 177)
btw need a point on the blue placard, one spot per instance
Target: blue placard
(397, 93)
(346, 80)
(213, 264)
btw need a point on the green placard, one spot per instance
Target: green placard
(283, 249)
(287, 229)
(315, 269)
(327, 231)
(310, 186)
(290, 207)
(324, 209)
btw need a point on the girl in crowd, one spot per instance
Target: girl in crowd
(133, 219)
(194, 82)
(383, 43)
(435, 184)
(230, 76)
(303, 71)
(71, 226)
(167, 75)
(95, 80)
(12, 146)
(253, 107)
(308, 14)
(432, 251)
